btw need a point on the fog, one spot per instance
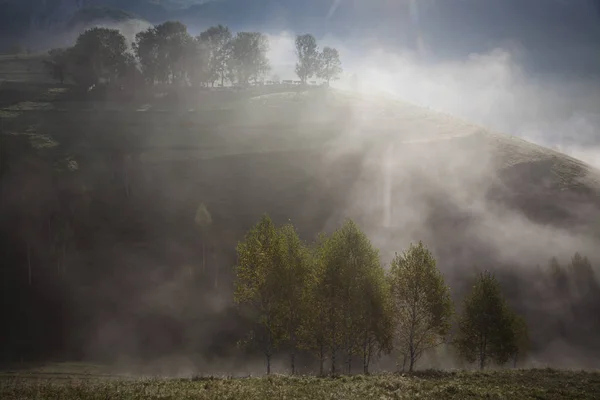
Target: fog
(491, 89)
(409, 185)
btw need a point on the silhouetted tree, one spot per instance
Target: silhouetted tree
(249, 62)
(163, 52)
(217, 41)
(99, 56)
(330, 66)
(308, 57)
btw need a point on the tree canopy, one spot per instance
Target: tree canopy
(422, 305)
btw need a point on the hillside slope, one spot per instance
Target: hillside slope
(98, 200)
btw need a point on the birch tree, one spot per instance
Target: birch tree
(257, 286)
(422, 303)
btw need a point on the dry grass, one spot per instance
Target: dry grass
(524, 384)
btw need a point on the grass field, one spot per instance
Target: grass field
(92, 383)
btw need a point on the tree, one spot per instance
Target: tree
(99, 56)
(257, 286)
(485, 328)
(308, 57)
(348, 259)
(57, 64)
(293, 275)
(330, 66)
(217, 40)
(422, 304)
(377, 318)
(249, 60)
(163, 52)
(313, 333)
(521, 338)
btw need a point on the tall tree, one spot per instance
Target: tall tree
(257, 286)
(330, 66)
(349, 259)
(485, 328)
(314, 330)
(217, 40)
(377, 325)
(422, 303)
(294, 276)
(308, 57)
(99, 55)
(521, 338)
(249, 60)
(163, 52)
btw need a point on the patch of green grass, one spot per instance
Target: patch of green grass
(524, 384)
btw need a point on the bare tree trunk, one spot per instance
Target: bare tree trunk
(203, 259)
(333, 371)
(216, 274)
(349, 363)
(268, 364)
(293, 361)
(64, 258)
(322, 359)
(28, 264)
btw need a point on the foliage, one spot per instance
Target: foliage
(308, 57)
(163, 52)
(486, 328)
(257, 285)
(330, 66)
(293, 275)
(521, 338)
(349, 261)
(249, 62)
(99, 56)
(217, 41)
(422, 305)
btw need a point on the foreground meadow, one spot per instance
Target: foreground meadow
(523, 384)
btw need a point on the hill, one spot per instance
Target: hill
(98, 202)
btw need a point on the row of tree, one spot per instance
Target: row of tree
(168, 54)
(336, 300)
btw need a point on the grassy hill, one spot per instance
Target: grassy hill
(128, 178)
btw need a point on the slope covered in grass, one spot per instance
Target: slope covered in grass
(128, 177)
